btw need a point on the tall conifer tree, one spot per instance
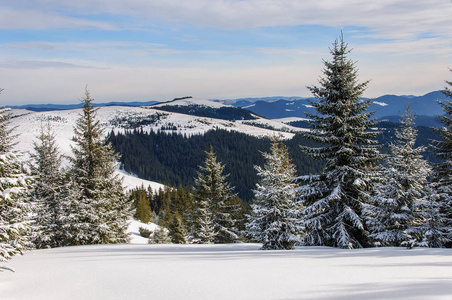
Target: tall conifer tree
(335, 199)
(15, 206)
(104, 210)
(51, 191)
(275, 216)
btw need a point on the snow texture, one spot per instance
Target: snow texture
(229, 271)
(120, 119)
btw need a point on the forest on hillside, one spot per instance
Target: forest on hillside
(174, 159)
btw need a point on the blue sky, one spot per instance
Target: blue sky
(139, 50)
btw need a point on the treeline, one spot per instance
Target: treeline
(224, 113)
(208, 212)
(174, 158)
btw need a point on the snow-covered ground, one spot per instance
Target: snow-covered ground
(232, 271)
(135, 232)
(119, 118)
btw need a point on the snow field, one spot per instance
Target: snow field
(230, 271)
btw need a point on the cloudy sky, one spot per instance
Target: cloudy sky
(140, 50)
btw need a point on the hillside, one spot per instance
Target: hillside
(205, 108)
(174, 159)
(120, 120)
(168, 147)
(386, 107)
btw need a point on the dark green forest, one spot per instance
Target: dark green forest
(174, 159)
(223, 113)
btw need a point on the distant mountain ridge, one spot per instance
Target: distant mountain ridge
(50, 107)
(387, 107)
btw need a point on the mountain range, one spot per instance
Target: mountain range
(387, 107)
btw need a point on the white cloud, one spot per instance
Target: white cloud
(432, 46)
(40, 64)
(38, 20)
(402, 46)
(387, 18)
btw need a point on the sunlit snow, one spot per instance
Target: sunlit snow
(231, 271)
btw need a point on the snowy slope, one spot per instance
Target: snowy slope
(120, 118)
(231, 271)
(134, 231)
(192, 101)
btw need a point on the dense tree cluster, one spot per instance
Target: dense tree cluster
(43, 205)
(173, 158)
(353, 194)
(354, 203)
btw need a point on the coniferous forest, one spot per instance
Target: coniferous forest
(348, 182)
(173, 158)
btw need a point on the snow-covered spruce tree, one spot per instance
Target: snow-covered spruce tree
(396, 217)
(103, 209)
(275, 220)
(335, 200)
(442, 172)
(16, 230)
(213, 199)
(50, 192)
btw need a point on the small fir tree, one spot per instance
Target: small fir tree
(203, 223)
(16, 229)
(160, 236)
(397, 215)
(143, 211)
(177, 230)
(214, 199)
(335, 200)
(104, 210)
(274, 220)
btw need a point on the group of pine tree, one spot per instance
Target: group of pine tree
(43, 204)
(362, 198)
